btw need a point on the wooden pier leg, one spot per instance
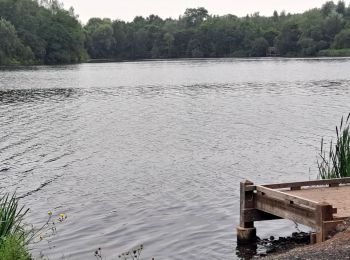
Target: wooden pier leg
(324, 213)
(246, 232)
(313, 237)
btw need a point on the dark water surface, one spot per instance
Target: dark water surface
(153, 152)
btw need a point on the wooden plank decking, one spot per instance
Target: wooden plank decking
(338, 197)
(320, 204)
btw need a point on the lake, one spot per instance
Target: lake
(152, 152)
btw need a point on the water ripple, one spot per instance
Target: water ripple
(152, 152)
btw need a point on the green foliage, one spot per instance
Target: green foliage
(15, 236)
(13, 248)
(40, 32)
(334, 53)
(194, 16)
(342, 40)
(328, 8)
(341, 8)
(198, 34)
(336, 162)
(64, 39)
(11, 217)
(259, 47)
(12, 51)
(44, 33)
(12, 233)
(288, 40)
(100, 40)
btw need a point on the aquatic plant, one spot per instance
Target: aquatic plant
(132, 254)
(12, 232)
(48, 229)
(335, 163)
(98, 254)
(15, 235)
(11, 217)
(13, 248)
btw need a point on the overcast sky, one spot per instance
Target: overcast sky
(127, 9)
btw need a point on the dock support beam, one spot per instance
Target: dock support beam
(325, 221)
(246, 232)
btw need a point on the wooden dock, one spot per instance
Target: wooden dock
(321, 205)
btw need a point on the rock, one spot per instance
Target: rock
(282, 239)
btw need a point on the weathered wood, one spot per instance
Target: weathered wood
(246, 202)
(286, 197)
(251, 215)
(250, 187)
(298, 213)
(324, 212)
(308, 183)
(246, 232)
(246, 235)
(329, 227)
(313, 238)
(307, 206)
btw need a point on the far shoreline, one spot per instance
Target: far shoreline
(96, 61)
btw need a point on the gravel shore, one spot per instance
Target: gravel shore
(337, 247)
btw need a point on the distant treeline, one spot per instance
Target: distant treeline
(42, 32)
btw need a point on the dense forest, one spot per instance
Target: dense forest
(33, 32)
(43, 32)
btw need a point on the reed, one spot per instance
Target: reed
(335, 163)
(13, 248)
(12, 233)
(11, 217)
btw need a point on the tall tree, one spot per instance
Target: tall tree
(12, 51)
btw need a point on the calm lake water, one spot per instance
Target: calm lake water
(153, 152)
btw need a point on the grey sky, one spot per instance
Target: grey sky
(128, 9)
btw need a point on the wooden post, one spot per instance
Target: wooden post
(246, 232)
(324, 213)
(313, 238)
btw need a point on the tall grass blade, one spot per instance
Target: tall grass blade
(337, 165)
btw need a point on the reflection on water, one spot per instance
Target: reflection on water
(152, 153)
(8, 96)
(247, 251)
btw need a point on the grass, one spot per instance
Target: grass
(335, 163)
(13, 248)
(12, 233)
